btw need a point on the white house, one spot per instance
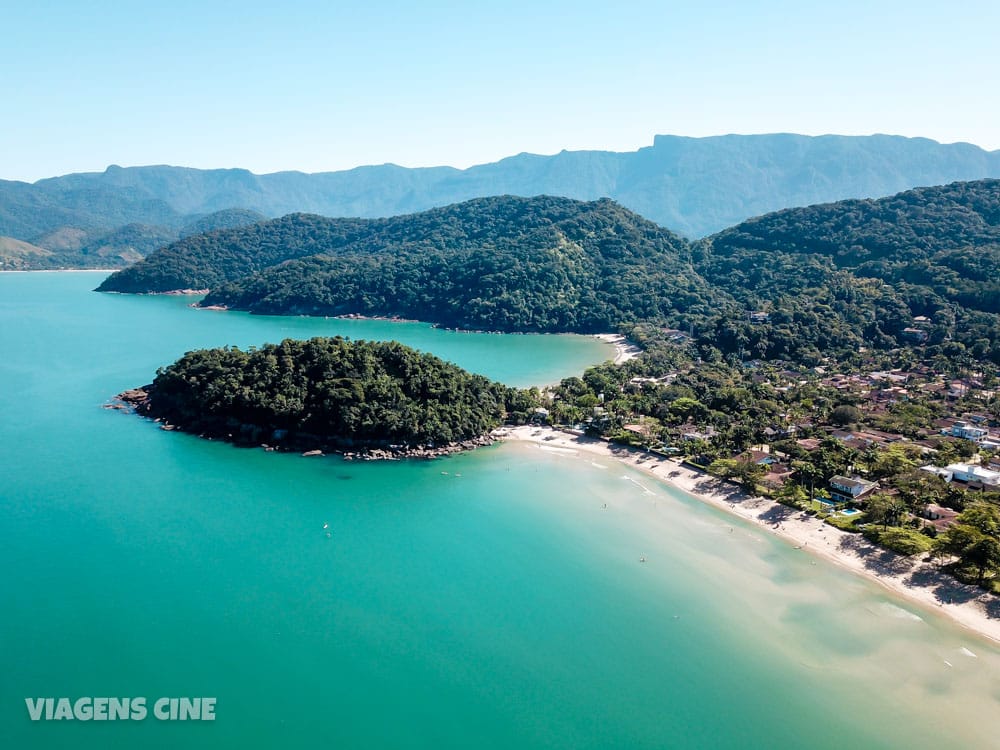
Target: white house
(974, 473)
(967, 431)
(850, 489)
(693, 433)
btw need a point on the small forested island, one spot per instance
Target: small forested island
(375, 399)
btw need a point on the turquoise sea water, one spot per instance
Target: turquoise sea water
(487, 600)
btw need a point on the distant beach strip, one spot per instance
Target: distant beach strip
(624, 349)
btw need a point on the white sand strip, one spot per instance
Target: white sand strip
(918, 581)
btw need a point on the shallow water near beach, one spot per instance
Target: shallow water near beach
(486, 600)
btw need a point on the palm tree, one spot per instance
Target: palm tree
(808, 473)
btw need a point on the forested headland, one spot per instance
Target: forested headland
(800, 285)
(509, 264)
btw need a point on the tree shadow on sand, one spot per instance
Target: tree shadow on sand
(947, 590)
(877, 559)
(778, 514)
(619, 451)
(992, 607)
(916, 573)
(723, 490)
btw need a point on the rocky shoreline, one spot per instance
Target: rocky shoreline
(253, 436)
(167, 293)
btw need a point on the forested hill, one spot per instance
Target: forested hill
(917, 269)
(908, 226)
(506, 264)
(204, 261)
(329, 393)
(838, 276)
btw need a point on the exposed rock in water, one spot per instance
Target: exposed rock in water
(137, 398)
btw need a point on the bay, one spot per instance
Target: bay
(487, 600)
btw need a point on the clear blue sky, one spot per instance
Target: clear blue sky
(319, 86)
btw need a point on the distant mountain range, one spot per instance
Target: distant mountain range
(694, 186)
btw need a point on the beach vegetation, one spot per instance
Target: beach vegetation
(888, 510)
(973, 543)
(903, 540)
(792, 494)
(850, 524)
(744, 473)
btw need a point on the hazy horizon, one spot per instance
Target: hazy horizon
(464, 166)
(323, 87)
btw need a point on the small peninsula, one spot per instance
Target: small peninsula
(366, 398)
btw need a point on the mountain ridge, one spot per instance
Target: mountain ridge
(695, 186)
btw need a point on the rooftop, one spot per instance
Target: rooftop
(852, 483)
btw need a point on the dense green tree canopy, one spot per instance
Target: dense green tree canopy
(919, 269)
(838, 276)
(508, 264)
(329, 391)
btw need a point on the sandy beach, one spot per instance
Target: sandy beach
(624, 349)
(917, 581)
